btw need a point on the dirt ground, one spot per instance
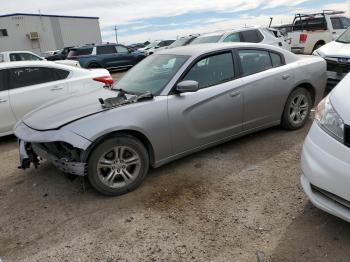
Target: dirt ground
(235, 202)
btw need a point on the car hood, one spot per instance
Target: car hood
(67, 109)
(340, 99)
(335, 49)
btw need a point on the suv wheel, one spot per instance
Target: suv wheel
(297, 109)
(118, 165)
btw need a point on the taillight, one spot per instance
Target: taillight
(108, 80)
(302, 38)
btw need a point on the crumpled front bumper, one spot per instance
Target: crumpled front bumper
(31, 148)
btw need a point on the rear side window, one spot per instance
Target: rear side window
(254, 61)
(27, 76)
(105, 50)
(60, 73)
(2, 81)
(310, 24)
(252, 36)
(345, 22)
(23, 57)
(276, 59)
(212, 70)
(234, 37)
(79, 52)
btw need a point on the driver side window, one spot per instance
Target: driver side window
(212, 70)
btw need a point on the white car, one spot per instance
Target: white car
(325, 158)
(337, 55)
(24, 86)
(13, 56)
(261, 35)
(311, 31)
(156, 46)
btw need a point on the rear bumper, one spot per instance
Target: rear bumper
(298, 50)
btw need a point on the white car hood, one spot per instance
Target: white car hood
(335, 49)
(340, 99)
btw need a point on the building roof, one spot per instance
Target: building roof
(44, 15)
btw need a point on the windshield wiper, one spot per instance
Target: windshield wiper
(121, 99)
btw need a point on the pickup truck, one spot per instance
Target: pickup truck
(311, 31)
(109, 56)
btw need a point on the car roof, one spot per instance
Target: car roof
(5, 65)
(197, 50)
(223, 32)
(6, 52)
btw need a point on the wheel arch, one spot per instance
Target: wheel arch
(309, 87)
(125, 132)
(319, 42)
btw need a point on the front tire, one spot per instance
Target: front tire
(118, 165)
(297, 109)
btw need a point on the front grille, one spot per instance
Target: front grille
(337, 67)
(331, 196)
(347, 136)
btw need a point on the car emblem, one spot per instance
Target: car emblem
(343, 60)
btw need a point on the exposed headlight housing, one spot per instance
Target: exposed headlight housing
(329, 120)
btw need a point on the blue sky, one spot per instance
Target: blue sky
(140, 20)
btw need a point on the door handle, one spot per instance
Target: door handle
(3, 100)
(56, 88)
(235, 94)
(285, 77)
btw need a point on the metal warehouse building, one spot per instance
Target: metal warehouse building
(40, 33)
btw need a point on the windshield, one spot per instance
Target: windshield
(206, 39)
(345, 37)
(151, 74)
(180, 42)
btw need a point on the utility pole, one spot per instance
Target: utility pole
(116, 34)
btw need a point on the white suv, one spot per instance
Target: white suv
(261, 35)
(337, 55)
(311, 31)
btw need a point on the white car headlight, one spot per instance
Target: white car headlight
(329, 120)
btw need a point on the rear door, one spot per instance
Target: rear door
(107, 54)
(7, 119)
(267, 83)
(31, 87)
(212, 113)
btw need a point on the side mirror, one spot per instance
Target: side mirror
(187, 86)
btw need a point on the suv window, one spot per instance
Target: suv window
(80, 52)
(311, 24)
(106, 49)
(27, 76)
(234, 37)
(23, 57)
(212, 70)
(252, 36)
(122, 49)
(254, 61)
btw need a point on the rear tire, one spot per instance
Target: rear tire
(118, 165)
(297, 109)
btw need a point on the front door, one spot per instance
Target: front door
(124, 57)
(212, 113)
(7, 119)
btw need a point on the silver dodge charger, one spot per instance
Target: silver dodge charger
(171, 104)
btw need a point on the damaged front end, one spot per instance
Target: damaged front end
(62, 155)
